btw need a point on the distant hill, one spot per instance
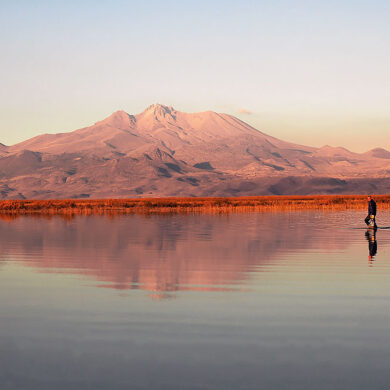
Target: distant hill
(164, 152)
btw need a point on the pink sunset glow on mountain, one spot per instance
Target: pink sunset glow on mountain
(164, 152)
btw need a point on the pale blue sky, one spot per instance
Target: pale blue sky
(312, 72)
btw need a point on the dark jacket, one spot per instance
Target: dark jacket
(372, 207)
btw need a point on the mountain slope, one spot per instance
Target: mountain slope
(162, 152)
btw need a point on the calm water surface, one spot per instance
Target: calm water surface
(248, 301)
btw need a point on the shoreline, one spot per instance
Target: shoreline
(190, 205)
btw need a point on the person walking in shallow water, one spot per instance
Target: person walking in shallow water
(371, 211)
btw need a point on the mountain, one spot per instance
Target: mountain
(164, 152)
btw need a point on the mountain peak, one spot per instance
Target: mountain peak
(160, 107)
(118, 119)
(160, 111)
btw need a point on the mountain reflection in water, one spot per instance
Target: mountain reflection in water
(164, 254)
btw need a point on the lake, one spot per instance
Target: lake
(278, 300)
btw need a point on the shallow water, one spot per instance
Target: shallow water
(246, 301)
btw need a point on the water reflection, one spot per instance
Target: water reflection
(165, 254)
(299, 304)
(372, 244)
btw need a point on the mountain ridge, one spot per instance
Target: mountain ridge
(163, 152)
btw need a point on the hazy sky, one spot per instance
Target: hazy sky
(312, 72)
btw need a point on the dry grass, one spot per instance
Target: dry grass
(188, 205)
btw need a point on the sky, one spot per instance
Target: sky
(311, 72)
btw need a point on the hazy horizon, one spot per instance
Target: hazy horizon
(312, 74)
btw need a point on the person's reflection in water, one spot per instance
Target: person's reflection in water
(372, 244)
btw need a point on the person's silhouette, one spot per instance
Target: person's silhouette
(371, 217)
(372, 244)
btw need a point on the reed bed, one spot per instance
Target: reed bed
(188, 205)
